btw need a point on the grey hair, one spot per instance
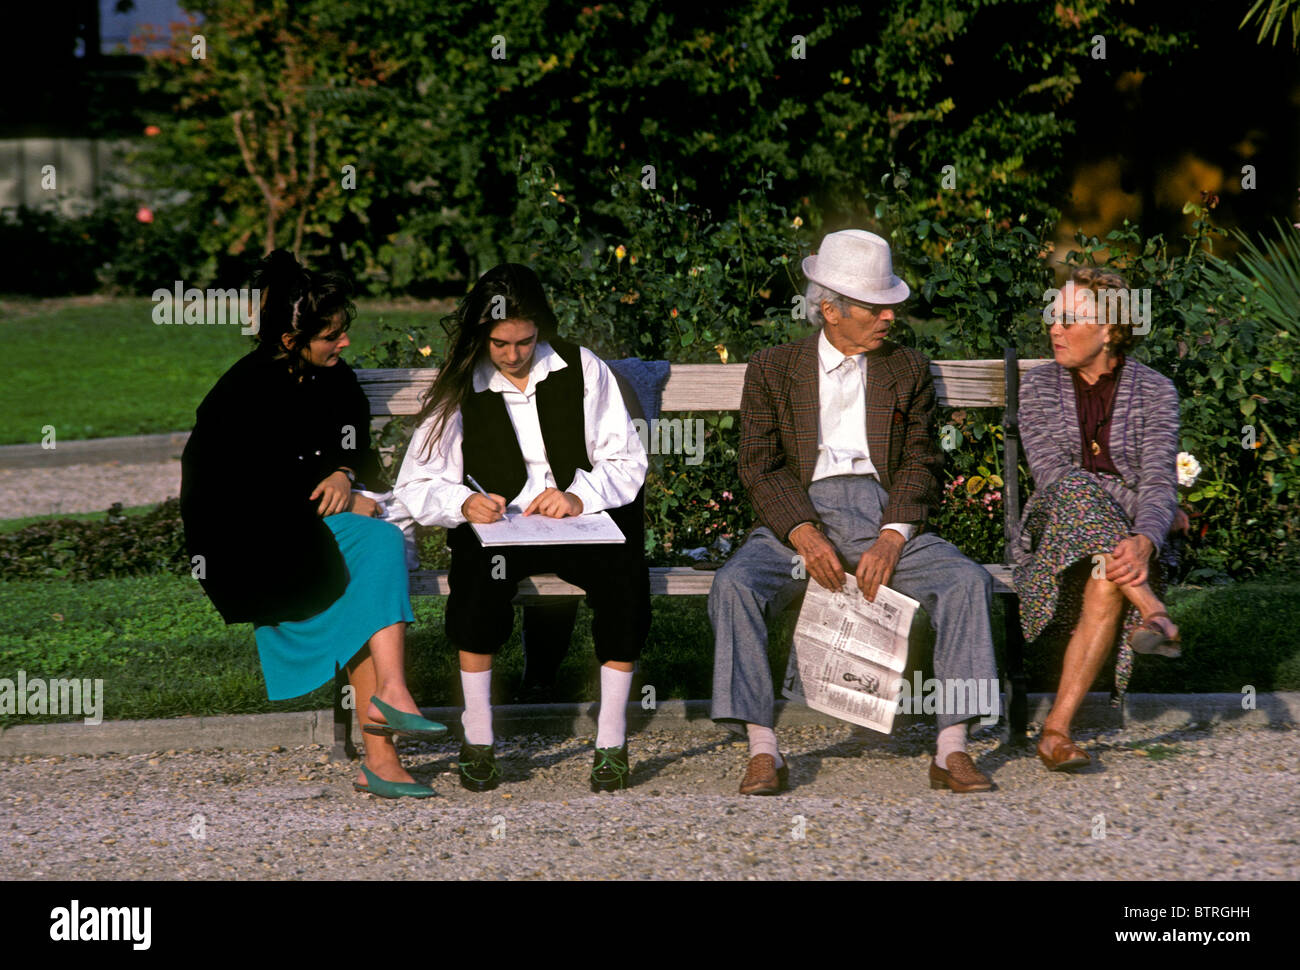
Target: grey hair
(814, 294)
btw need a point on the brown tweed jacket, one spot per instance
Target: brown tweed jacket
(778, 433)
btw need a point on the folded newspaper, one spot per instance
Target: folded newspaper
(849, 654)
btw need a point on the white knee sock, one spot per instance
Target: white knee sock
(477, 718)
(611, 724)
(952, 738)
(762, 740)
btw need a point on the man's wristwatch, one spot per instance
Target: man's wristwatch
(352, 479)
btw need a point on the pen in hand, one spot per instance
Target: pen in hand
(482, 491)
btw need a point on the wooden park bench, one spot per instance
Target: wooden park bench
(717, 387)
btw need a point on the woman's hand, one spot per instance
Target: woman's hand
(363, 505)
(483, 508)
(1130, 561)
(555, 503)
(335, 493)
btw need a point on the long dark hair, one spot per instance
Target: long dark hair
(297, 302)
(510, 291)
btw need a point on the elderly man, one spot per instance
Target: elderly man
(838, 456)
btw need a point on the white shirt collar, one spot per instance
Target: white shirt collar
(830, 357)
(545, 360)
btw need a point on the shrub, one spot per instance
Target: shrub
(432, 113)
(970, 516)
(676, 281)
(106, 248)
(120, 546)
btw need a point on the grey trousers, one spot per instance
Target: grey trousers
(757, 583)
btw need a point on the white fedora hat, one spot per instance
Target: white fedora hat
(857, 264)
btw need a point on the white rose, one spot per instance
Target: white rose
(1188, 469)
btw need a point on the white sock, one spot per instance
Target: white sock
(611, 724)
(762, 740)
(477, 718)
(952, 738)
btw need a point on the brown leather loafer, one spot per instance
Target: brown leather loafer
(960, 776)
(763, 777)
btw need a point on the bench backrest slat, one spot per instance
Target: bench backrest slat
(712, 387)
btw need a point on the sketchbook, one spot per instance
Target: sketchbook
(518, 529)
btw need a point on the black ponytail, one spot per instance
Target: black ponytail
(297, 302)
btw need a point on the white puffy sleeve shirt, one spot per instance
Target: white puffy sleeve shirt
(432, 487)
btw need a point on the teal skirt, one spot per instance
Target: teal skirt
(300, 655)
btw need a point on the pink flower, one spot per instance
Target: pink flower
(727, 496)
(143, 214)
(959, 479)
(151, 130)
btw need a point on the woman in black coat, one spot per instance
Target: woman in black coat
(279, 529)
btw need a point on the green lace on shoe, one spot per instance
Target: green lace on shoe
(488, 762)
(609, 758)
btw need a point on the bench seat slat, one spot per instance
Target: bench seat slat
(664, 581)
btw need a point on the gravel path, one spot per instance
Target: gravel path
(86, 488)
(1190, 805)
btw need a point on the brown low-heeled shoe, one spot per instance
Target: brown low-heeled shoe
(960, 776)
(1065, 755)
(1152, 638)
(763, 777)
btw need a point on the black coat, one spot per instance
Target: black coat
(263, 440)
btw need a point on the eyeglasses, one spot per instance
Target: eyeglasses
(876, 308)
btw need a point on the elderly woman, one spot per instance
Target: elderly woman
(1101, 437)
(278, 521)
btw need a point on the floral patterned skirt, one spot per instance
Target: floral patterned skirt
(1066, 524)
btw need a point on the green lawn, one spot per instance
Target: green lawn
(162, 651)
(103, 369)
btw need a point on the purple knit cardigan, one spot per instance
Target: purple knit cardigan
(1143, 442)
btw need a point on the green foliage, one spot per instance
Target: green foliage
(13, 525)
(106, 248)
(1271, 273)
(1271, 15)
(120, 546)
(970, 515)
(678, 282)
(691, 507)
(434, 104)
(262, 125)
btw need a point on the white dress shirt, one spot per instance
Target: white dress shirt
(433, 488)
(842, 447)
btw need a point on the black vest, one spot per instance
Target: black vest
(490, 449)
